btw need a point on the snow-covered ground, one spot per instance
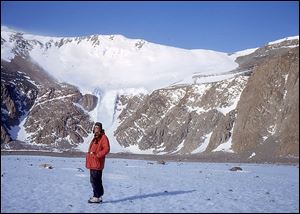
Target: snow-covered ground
(146, 186)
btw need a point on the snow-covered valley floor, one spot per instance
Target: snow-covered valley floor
(146, 186)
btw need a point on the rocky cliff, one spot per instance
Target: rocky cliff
(268, 111)
(53, 115)
(255, 113)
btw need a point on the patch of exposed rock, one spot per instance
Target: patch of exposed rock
(88, 102)
(56, 118)
(54, 114)
(268, 110)
(178, 119)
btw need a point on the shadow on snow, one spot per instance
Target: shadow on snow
(135, 197)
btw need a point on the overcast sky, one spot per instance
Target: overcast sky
(220, 26)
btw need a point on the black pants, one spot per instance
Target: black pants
(96, 181)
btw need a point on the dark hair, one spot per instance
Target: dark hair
(100, 125)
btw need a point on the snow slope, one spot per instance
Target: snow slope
(284, 39)
(115, 62)
(145, 186)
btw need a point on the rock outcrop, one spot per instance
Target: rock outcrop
(268, 110)
(53, 115)
(57, 118)
(179, 119)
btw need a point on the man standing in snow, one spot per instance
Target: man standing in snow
(95, 158)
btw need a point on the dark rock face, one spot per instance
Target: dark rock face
(53, 113)
(57, 118)
(222, 131)
(5, 137)
(178, 119)
(88, 102)
(17, 96)
(268, 51)
(269, 107)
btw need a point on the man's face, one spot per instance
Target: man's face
(97, 129)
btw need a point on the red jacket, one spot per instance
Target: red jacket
(95, 157)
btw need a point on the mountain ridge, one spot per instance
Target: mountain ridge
(222, 88)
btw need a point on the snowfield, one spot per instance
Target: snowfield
(146, 186)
